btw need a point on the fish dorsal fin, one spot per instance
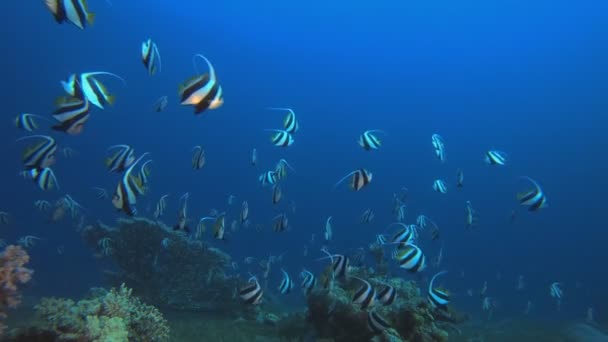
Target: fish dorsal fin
(209, 65)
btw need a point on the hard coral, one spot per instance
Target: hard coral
(113, 316)
(166, 267)
(12, 274)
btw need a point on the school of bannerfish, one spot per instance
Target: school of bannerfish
(203, 92)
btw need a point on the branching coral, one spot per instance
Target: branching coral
(12, 274)
(113, 316)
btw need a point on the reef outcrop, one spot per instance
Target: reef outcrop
(410, 317)
(165, 267)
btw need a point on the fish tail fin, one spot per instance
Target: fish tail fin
(55, 182)
(111, 99)
(160, 63)
(91, 18)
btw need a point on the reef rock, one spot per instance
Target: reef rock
(165, 267)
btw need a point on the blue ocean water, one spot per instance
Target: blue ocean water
(526, 78)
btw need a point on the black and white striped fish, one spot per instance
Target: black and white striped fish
(268, 178)
(286, 284)
(201, 91)
(87, 86)
(72, 113)
(359, 179)
(340, 263)
(150, 56)
(41, 155)
(494, 157)
(144, 173)
(437, 296)
(365, 296)
(439, 147)
(281, 169)
(388, 295)
(198, 158)
(219, 227)
(376, 323)
(161, 103)
(42, 205)
(182, 214)
(328, 233)
(309, 281)
(400, 213)
(459, 178)
(440, 187)
(252, 292)
(281, 223)
(470, 217)
(72, 11)
(410, 257)
(254, 157)
(281, 138)
(369, 141)
(26, 121)
(535, 198)
(367, 216)
(122, 159)
(44, 178)
(125, 197)
(244, 211)
(161, 206)
(277, 194)
(406, 233)
(290, 123)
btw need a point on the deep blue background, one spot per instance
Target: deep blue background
(529, 79)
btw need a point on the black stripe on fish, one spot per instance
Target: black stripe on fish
(207, 100)
(388, 295)
(251, 293)
(340, 265)
(376, 323)
(365, 296)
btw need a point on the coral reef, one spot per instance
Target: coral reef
(12, 274)
(334, 316)
(165, 267)
(109, 316)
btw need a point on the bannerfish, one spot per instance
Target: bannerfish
(150, 56)
(72, 113)
(359, 179)
(201, 91)
(73, 11)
